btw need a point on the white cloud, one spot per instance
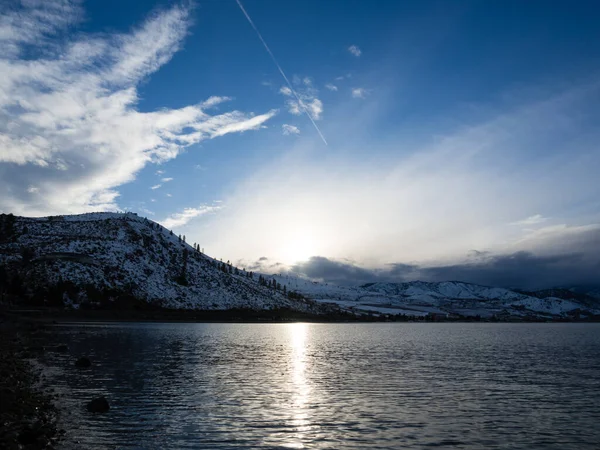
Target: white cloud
(179, 219)
(160, 172)
(532, 220)
(166, 180)
(359, 92)
(331, 87)
(169, 195)
(305, 98)
(69, 121)
(289, 129)
(214, 101)
(353, 49)
(286, 91)
(316, 108)
(156, 186)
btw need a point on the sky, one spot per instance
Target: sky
(345, 141)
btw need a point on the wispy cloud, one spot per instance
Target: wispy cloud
(359, 92)
(146, 211)
(354, 50)
(283, 75)
(331, 87)
(179, 219)
(166, 180)
(69, 121)
(160, 172)
(429, 199)
(289, 129)
(532, 220)
(156, 186)
(304, 98)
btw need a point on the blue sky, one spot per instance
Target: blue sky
(452, 127)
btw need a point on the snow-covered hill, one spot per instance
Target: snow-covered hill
(449, 298)
(106, 257)
(97, 256)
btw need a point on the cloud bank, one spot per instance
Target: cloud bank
(548, 266)
(480, 185)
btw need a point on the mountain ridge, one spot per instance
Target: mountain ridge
(103, 258)
(134, 256)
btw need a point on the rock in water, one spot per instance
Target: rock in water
(98, 405)
(83, 362)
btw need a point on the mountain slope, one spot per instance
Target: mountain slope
(466, 299)
(97, 256)
(448, 298)
(113, 259)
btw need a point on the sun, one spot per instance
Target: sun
(297, 250)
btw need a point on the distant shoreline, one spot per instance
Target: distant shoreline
(55, 315)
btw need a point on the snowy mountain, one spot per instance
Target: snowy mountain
(447, 299)
(108, 259)
(102, 257)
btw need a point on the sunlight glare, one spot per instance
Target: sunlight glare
(297, 250)
(301, 396)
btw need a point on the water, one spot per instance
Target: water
(332, 386)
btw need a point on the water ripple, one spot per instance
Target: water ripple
(331, 386)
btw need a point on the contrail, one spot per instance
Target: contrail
(300, 102)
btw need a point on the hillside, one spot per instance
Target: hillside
(448, 299)
(114, 260)
(102, 258)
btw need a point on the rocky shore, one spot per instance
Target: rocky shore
(28, 418)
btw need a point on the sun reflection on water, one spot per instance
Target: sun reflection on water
(300, 388)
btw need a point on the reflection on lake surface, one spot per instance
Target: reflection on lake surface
(332, 385)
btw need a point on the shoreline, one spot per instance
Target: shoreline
(28, 414)
(50, 316)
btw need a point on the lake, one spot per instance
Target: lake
(331, 386)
